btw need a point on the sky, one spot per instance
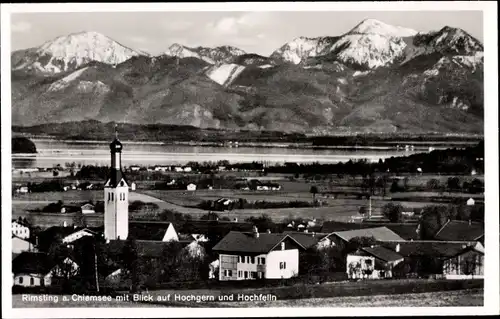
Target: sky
(255, 32)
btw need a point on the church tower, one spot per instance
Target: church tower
(116, 197)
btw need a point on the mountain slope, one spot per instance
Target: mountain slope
(69, 52)
(374, 78)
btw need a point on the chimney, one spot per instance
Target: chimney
(398, 247)
(255, 232)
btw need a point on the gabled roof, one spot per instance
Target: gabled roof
(147, 231)
(307, 240)
(405, 230)
(48, 236)
(30, 262)
(457, 230)
(379, 233)
(436, 249)
(382, 253)
(246, 242)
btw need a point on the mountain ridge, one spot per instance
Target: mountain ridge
(374, 78)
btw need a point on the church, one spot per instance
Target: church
(116, 197)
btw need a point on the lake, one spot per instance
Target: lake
(53, 152)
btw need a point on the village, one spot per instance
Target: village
(118, 241)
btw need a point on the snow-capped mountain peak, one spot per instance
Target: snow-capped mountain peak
(69, 52)
(372, 26)
(211, 55)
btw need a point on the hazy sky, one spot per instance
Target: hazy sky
(258, 32)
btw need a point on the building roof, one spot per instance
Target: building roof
(147, 231)
(307, 240)
(407, 231)
(49, 236)
(429, 248)
(382, 253)
(31, 262)
(379, 233)
(115, 176)
(246, 242)
(456, 230)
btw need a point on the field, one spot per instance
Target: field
(461, 298)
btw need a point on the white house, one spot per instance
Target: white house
(178, 169)
(22, 189)
(246, 256)
(471, 202)
(191, 187)
(375, 262)
(20, 229)
(20, 245)
(87, 209)
(187, 169)
(32, 269)
(133, 186)
(135, 168)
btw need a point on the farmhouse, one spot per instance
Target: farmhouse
(20, 229)
(469, 263)
(20, 245)
(191, 187)
(32, 269)
(244, 256)
(88, 209)
(372, 262)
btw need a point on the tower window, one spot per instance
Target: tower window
(121, 183)
(112, 196)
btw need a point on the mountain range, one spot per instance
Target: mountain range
(374, 78)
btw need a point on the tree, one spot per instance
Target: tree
(313, 191)
(130, 263)
(433, 184)
(453, 183)
(393, 212)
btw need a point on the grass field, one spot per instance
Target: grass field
(460, 298)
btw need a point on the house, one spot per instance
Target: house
(156, 231)
(22, 189)
(471, 202)
(374, 262)
(162, 168)
(469, 263)
(187, 169)
(135, 168)
(32, 269)
(380, 234)
(191, 187)
(457, 230)
(20, 229)
(20, 245)
(62, 234)
(253, 255)
(431, 257)
(133, 186)
(179, 169)
(88, 209)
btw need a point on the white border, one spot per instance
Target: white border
(490, 27)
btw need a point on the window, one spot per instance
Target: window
(263, 260)
(230, 273)
(253, 274)
(32, 281)
(282, 245)
(239, 273)
(282, 265)
(253, 259)
(20, 280)
(112, 196)
(246, 274)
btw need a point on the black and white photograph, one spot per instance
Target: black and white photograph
(217, 156)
